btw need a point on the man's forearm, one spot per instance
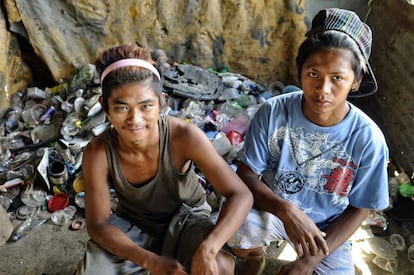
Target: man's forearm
(116, 242)
(340, 230)
(345, 226)
(229, 220)
(265, 199)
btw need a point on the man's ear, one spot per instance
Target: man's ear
(101, 102)
(163, 100)
(104, 108)
(355, 85)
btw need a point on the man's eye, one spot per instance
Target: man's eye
(313, 75)
(337, 77)
(121, 108)
(147, 106)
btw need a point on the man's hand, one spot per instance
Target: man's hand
(166, 266)
(303, 232)
(204, 262)
(303, 266)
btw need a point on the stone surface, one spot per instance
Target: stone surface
(258, 39)
(393, 66)
(14, 73)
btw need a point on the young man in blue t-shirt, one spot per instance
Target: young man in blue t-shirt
(315, 163)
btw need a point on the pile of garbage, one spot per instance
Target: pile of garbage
(43, 133)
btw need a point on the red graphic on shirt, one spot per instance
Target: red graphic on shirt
(340, 178)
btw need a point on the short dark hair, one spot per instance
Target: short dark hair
(126, 75)
(329, 40)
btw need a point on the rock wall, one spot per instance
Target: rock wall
(253, 37)
(14, 72)
(392, 107)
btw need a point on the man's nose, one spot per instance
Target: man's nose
(135, 115)
(324, 86)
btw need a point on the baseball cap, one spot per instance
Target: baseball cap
(348, 22)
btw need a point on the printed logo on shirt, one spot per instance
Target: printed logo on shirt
(291, 182)
(340, 178)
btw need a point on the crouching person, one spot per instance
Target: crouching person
(314, 162)
(162, 222)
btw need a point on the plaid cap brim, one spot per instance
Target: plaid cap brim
(349, 23)
(368, 85)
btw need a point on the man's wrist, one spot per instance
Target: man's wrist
(209, 248)
(283, 210)
(313, 261)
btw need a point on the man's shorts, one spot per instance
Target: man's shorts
(97, 260)
(260, 228)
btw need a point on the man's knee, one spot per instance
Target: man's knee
(248, 253)
(254, 260)
(225, 262)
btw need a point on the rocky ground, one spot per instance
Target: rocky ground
(53, 249)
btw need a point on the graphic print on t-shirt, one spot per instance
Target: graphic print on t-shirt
(306, 166)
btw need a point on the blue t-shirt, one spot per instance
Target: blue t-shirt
(321, 170)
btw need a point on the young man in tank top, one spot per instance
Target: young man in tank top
(162, 223)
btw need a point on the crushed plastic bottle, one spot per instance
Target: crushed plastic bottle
(27, 226)
(397, 242)
(248, 85)
(47, 114)
(85, 74)
(381, 248)
(13, 123)
(389, 265)
(393, 187)
(410, 253)
(36, 93)
(70, 126)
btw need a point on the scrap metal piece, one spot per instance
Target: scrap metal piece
(192, 82)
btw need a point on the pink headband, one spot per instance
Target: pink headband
(130, 62)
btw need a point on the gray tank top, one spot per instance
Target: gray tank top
(152, 205)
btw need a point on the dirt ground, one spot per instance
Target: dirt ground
(53, 249)
(48, 249)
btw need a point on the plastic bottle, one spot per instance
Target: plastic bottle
(222, 144)
(27, 226)
(34, 92)
(70, 126)
(86, 73)
(390, 265)
(13, 122)
(410, 253)
(248, 85)
(397, 242)
(393, 190)
(79, 62)
(47, 114)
